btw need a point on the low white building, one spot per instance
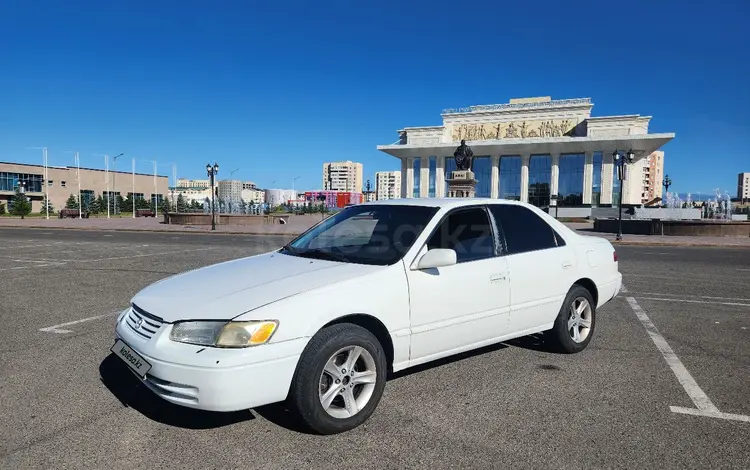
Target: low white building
(190, 194)
(254, 195)
(278, 197)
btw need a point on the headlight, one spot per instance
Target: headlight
(233, 334)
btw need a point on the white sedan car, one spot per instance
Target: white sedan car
(375, 289)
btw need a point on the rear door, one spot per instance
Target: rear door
(541, 266)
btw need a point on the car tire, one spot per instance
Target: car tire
(578, 313)
(314, 384)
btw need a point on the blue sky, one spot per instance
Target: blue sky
(276, 88)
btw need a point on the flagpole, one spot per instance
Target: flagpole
(106, 175)
(78, 171)
(46, 183)
(133, 201)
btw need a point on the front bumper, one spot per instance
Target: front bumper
(214, 379)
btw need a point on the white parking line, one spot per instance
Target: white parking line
(661, 294)
(44, 245)
(703, 405)
(57, 328)
(743, 269)
(712, 302)
(61, 262)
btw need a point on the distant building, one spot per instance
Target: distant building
(387, 185)
(63, 181)
(278, 197)
(254, 195)
(190, 194)
(743, 186)
(230, 190)
(332, 199)
(188, 183)
(652, 172)
(342, 176)
(248, 185)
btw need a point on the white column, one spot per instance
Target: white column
(495, 180)
(404, 176)
(424, 176)
(409, 178)
(554, 183)
(607, 168)
(440, 177)
(525, 177)
(588, 177)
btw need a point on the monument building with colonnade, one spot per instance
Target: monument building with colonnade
(536, 150)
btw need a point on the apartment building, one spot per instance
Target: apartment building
(743, 186)
(653, 176)
(387, 185)
(342, 176)
(230, 190)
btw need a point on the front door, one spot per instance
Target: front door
(458, 306)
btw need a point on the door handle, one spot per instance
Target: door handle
(497, 278)
(567, 263)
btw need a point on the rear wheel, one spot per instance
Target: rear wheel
(574, 325)
(339, 379)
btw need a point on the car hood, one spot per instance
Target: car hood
(226, 290)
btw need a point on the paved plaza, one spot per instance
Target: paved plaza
(298, 224)
(663, 383)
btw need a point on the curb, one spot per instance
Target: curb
(182, 231)
(677, 244)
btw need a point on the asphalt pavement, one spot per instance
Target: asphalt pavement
(625, 402)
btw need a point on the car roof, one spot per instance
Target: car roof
(440, 202)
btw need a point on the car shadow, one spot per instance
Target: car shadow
(129, 390)
(535, 342)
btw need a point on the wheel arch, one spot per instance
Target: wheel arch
(374, 326)
(590, 286)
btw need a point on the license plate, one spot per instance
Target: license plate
(131, 358)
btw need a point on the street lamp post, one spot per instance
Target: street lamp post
(212, 171)
(322, 198)
(667, 182)
(621, 164)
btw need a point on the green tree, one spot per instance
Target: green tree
(142, 203)
(2, 208)
(100, 205)
(127, 204)
(71, 203)
(181, 203)
(165, 206)
(46, 203)
(120, 203)
(21, 204)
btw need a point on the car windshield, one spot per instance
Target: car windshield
(365, 234)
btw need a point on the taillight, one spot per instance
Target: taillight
(614, 255)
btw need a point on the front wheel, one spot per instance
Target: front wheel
(574, 325)
(339, 379)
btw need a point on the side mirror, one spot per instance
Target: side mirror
(437, 258)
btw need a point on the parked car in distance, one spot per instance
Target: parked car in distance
(376, 288)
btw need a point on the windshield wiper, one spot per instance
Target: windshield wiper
(289, 248)
(323, 254)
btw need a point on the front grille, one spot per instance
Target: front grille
(143, 322)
